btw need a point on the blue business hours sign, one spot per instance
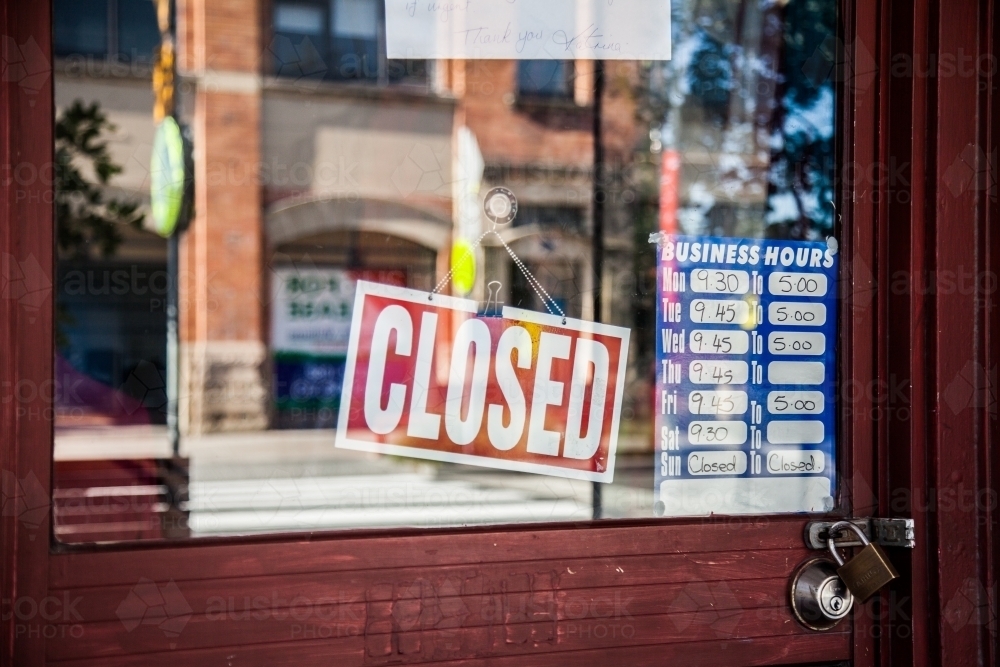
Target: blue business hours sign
(746, 367)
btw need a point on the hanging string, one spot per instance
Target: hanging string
(501, 204)
(535, 284)
(533, 281)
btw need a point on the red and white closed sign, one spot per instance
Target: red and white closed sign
(428, 378)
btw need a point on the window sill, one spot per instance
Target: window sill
(537, 102)
(101, 67)
(356, 90)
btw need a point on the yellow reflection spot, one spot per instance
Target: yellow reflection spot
(463, 266)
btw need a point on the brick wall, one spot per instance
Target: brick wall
(223, 353)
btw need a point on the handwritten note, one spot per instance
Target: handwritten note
(529, 29)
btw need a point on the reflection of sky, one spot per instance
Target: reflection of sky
(756, 137)
(814, 120)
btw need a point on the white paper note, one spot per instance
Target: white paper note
(529, 29)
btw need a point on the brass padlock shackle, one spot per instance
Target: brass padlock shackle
(837, 528)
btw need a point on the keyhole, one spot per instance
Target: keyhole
(837, 603)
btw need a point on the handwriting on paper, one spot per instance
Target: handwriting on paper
(529, 29)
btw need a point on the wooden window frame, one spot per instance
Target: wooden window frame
(930, 337)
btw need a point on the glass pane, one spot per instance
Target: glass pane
(345, 173)
(356, 19)
(298, 19)
(81, 27)
(138, 33)
(547, 78)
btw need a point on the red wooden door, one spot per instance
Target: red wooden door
(919, 205)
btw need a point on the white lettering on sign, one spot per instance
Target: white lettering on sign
(528, 29)
(547, 392)
(472, 334)
(590, 356)
(423, 424)
(393, 320)
(526, 391)
(504, 438)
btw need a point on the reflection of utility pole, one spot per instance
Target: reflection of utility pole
(170, 198)
(171, 194)
(599, 196)
(163, 85)
(173, 346)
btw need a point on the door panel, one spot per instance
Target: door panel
(690, 592)
(678, 589)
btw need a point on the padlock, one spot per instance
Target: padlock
(867, 572)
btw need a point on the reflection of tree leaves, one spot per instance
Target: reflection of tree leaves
(86, 218)
(802, 164)
(710, 76)
(732, 93)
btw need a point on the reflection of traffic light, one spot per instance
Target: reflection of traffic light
(163, 81)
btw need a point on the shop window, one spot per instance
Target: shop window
(734, 137)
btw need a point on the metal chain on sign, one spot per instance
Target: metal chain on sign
(501, 208)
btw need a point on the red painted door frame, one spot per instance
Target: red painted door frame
(26, 270)
(936, 340)
(691, 592)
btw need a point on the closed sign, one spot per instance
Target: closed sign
(429, 378)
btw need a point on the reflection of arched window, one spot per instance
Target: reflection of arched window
(545, 78)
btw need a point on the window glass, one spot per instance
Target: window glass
(126, 30)
(337, 41)
(546, 78)
(345, 169)
(298, 19)
(356, 18)
(138, 33)
(81, 27)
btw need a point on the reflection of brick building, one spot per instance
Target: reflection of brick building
(313, 151)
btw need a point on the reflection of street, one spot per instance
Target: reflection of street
(284, 481)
